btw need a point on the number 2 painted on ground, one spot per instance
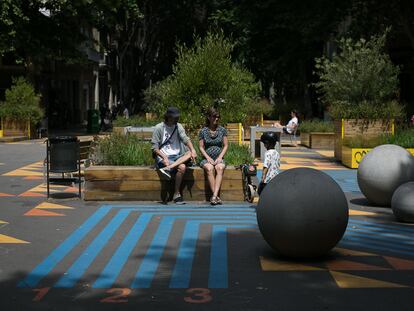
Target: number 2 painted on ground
(41, 292)
(198, 295)
(118, 295)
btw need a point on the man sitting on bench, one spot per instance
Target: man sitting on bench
(169, 142)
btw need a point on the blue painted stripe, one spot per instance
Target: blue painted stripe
(182, 271)
(395, 238)
(218, 274)
(149, 264)
(382, 225)
(371, 244)
(118, 260)
(78, 268)
(390, 243)
(365, 247)
(234, 207)
(63, 249)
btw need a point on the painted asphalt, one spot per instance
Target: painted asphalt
(74, 255)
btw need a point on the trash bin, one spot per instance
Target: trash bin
(93, 121)
(63, 154)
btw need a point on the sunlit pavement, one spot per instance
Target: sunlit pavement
(74, 255)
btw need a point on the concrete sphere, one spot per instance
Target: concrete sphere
(382, 171)
(402, 203)
(302, 213)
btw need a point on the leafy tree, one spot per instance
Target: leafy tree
(360, 82)
(204, 76)
(22, 102)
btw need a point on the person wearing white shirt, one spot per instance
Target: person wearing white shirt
(292, 124)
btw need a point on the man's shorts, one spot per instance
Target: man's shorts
(171, 159)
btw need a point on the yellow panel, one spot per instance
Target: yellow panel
(351, 252)
(344, 280)
(268, 264)
(48, 205)
(353, 212)
(10, 240)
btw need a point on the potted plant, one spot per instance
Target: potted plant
(317, 134)
(360, 86)
(20, 110)
(355, 148)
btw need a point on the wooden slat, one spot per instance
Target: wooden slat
(148, 185)
(145, 173)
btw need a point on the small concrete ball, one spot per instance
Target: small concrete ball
(382, 171)
(402, 203)
(302, 213)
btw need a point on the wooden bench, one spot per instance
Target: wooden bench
(113, 183)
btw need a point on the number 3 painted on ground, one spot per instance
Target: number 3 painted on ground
(119, 293)
(198, 295)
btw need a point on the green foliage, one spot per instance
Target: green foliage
(403, 138)
(204, 76)
(316, 126)
(133, 120)
(263, 106)
(21, 102)
(361, 81)
(123, 150)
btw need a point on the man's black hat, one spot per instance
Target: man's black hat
(172, 112)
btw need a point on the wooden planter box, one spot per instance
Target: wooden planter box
(234, 132)
(119, 183)
(305, 139)
(318, 140)
(118, 130)
(351, 157)
(11, 127)
(353, 127)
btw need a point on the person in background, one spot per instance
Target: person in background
(125, 113)
(271, 164)
(169, 142)
(292, 124)
(213, 146)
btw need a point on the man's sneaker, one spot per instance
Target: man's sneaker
(178, 199)
(165, 172)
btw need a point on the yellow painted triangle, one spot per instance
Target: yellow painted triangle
(21, 172)
(277, 265)
(48, 205)
(344, 280)
(10, 240)
(3, 222)
(351, 252)
(353, 212)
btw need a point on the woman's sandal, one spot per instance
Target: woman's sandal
(219, 201)
(213, 200)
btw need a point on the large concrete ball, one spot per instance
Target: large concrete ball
(402, 203)
(382, 171)
(302, 213)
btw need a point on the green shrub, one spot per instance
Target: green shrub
(133, 120)
(403, 138)
(123, 150)
(316, 126)
(360, 82)
(204, 76)
(117, 149)
(21, 102)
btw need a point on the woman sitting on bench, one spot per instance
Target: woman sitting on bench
(213, 147)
